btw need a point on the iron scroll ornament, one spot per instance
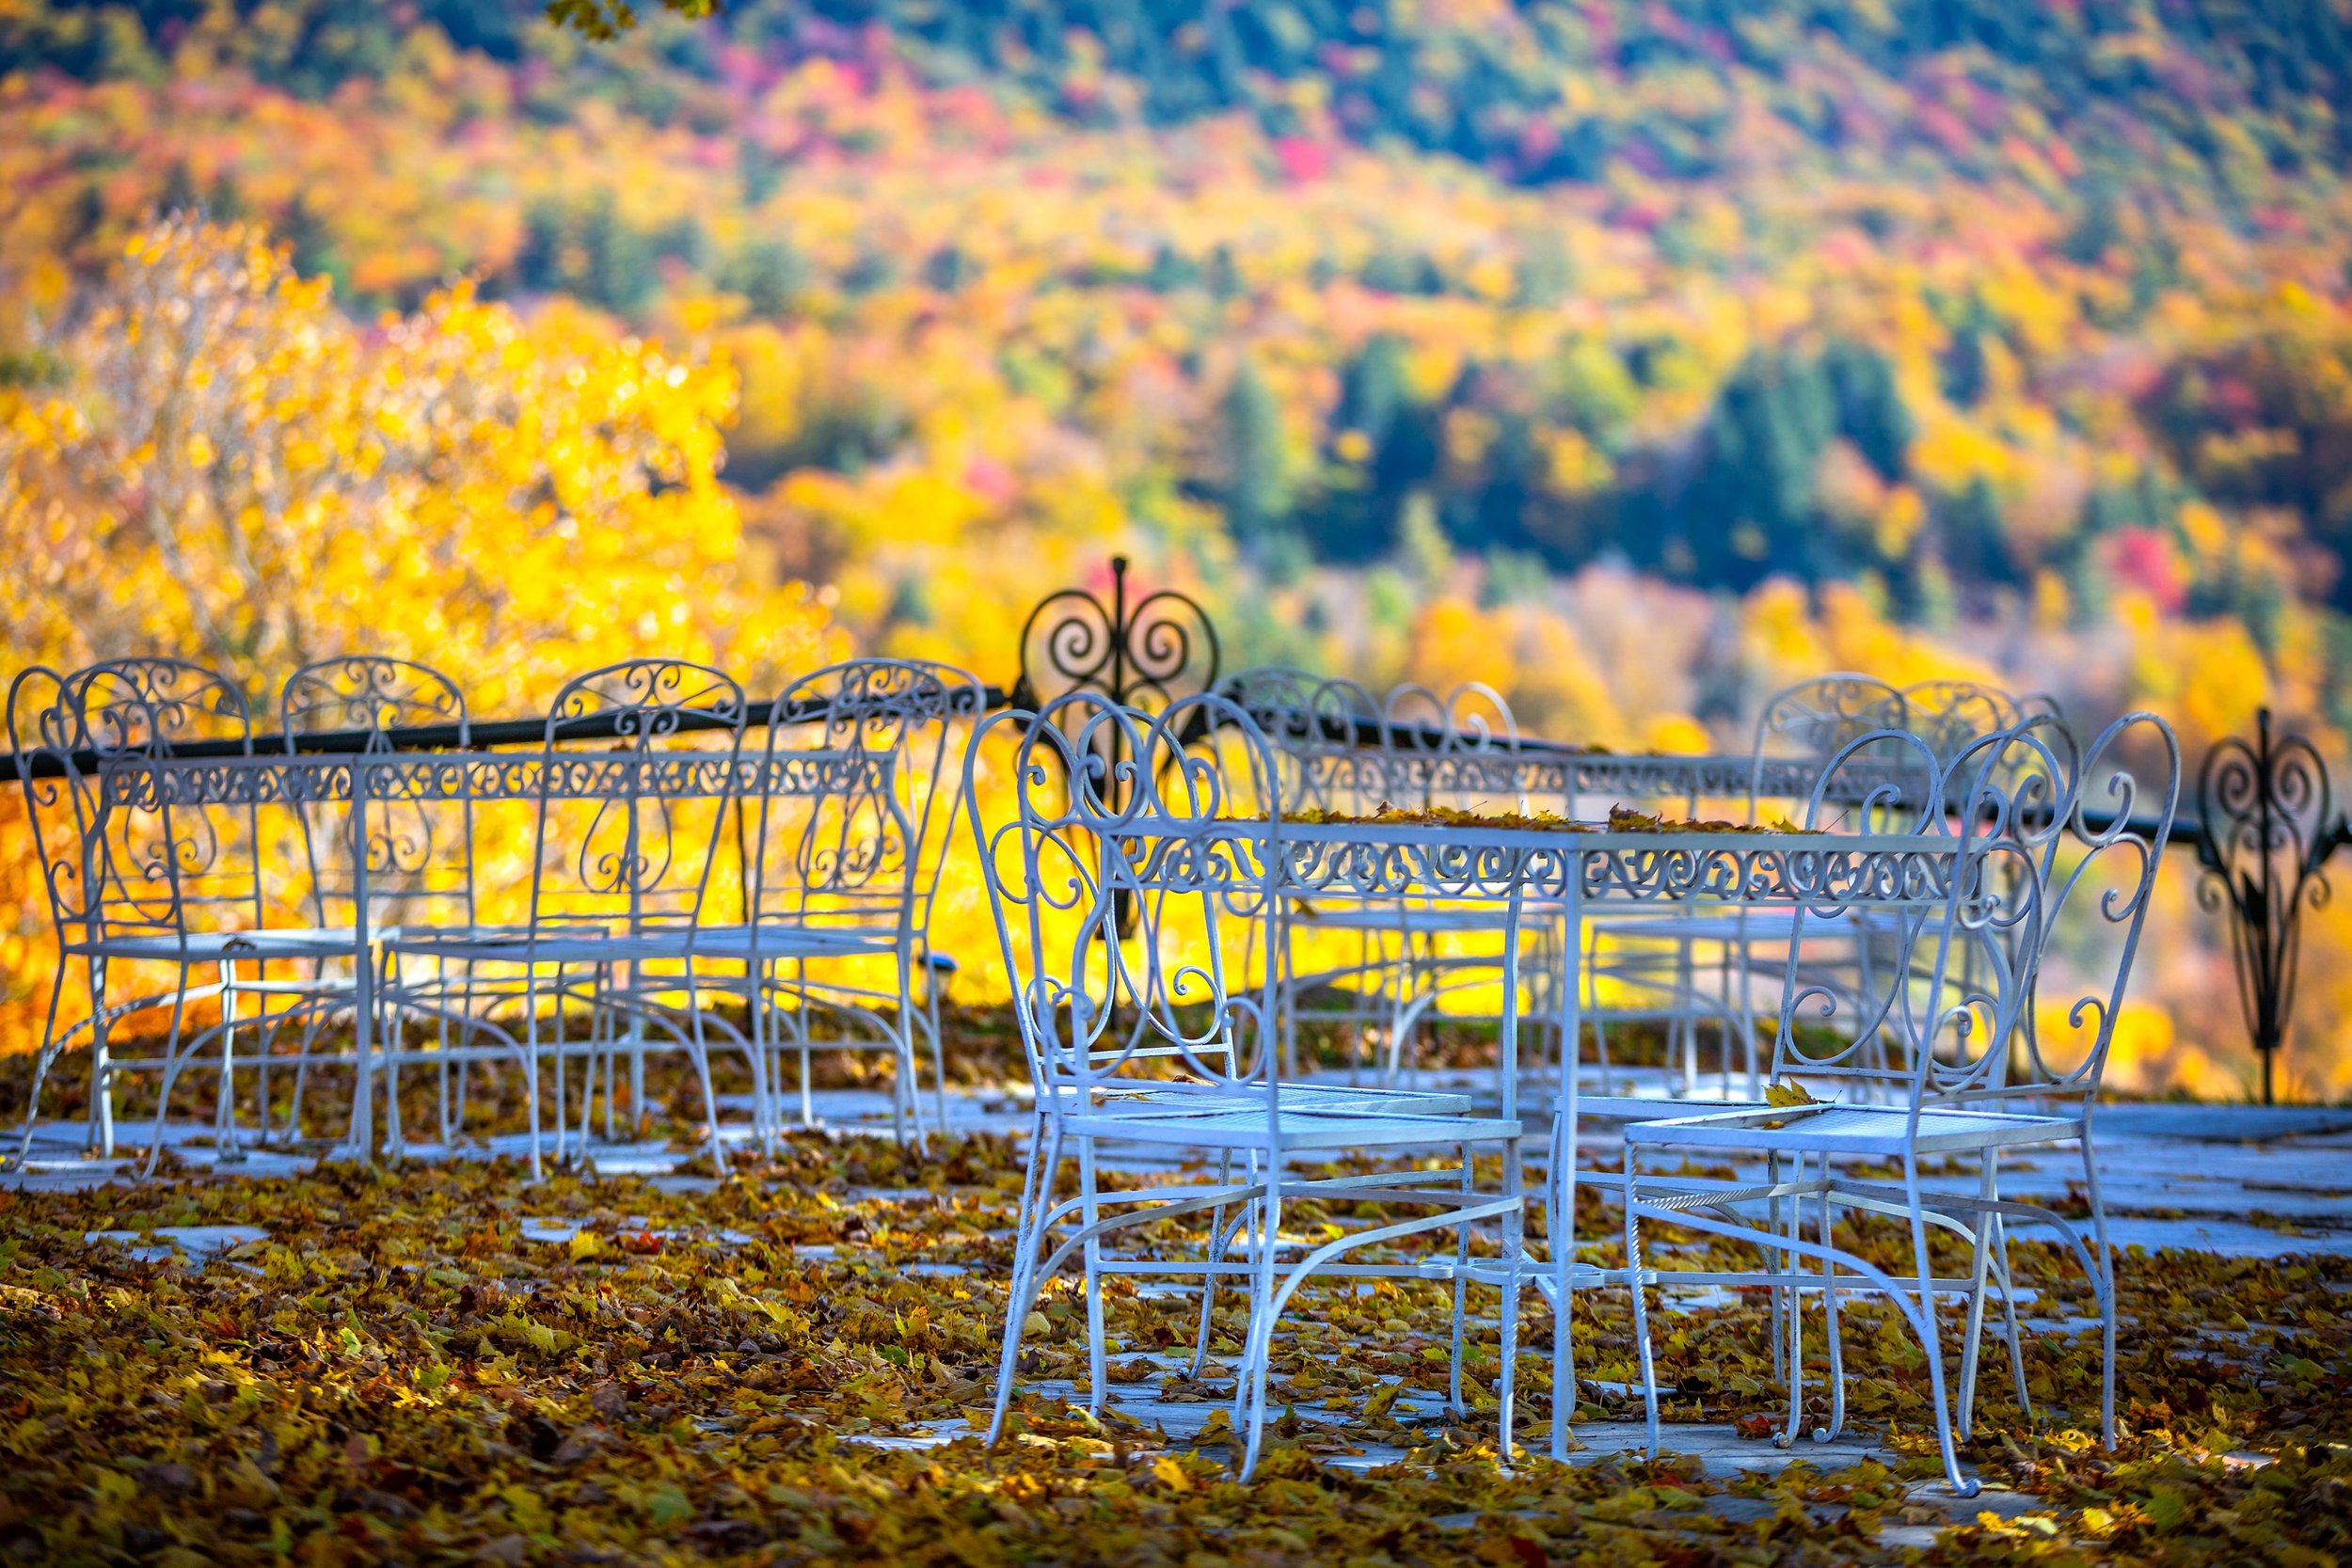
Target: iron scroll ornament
(2267, 812)
(1150, 653)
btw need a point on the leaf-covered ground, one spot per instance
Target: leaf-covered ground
(401, 1371)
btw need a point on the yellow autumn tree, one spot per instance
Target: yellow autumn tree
(223, 466)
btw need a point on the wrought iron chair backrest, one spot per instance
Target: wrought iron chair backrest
(1344, 751)
(2099, 877)
(1472, 718)
(1959, 986)
(1331, 738)
(1460, 749)
(416, 847)
(1131, 908)
(371, 693)
(37, 728)
(151, 706)
(638, 773)
(164, 860)
(1951, 713)
(1869, 1035)
(1816, 720)
(874, 849)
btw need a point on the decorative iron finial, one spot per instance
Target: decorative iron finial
(2268, 828)
(1149, 655)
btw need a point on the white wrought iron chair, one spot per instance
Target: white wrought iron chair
(839, 884)
(2039, 837)
(633, 754)
(407, 848)
(1133, 883)
(164, 875)
(1878, 783)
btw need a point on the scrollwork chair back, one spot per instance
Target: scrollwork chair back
(415, 842)
(2107, 839)
(639, 769)
(1473, 716)
(1329, 734)
(38, 727)
(1859, 1029)
(1814, 720)
(1186, 834)
(1460, 749)
(177, 859)
(1949, 714)
(873, 850)
(152, 706)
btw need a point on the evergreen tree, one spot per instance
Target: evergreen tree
(768, 273)
(1962, 365)
(1871, 411)
(1750, 504)
(1256, 495)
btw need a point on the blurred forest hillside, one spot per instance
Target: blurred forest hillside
(1632, 357)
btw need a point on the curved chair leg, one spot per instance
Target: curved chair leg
(388, 1063)
(1251, 1379)
(2008, 1316)
(1514, 1254)
(1832, 1336)
(1778, 1300)
(1792, 1326)
(563, 1065)
(1563, 1243)
(1029, 1240)
(2103, 1281)
(1641, 1307)
(763, 1130)
(637, 1090)
(1931, 1335)
(1260, 1243)
(1461, 1297)
(1098, 1360)
(700, 1049)
(225, 1150)
(808, 1093)
(1219, 1237)
(530, 1064)
(1980, 1269)
(101, 1083)
(903, 1041)
(932, 985)
(171, 1077)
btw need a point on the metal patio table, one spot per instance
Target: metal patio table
(1560, 873)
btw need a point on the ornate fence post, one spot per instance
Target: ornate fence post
(1132, 654)
(2267, 829)
(1146, 655)
(1150, 653)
